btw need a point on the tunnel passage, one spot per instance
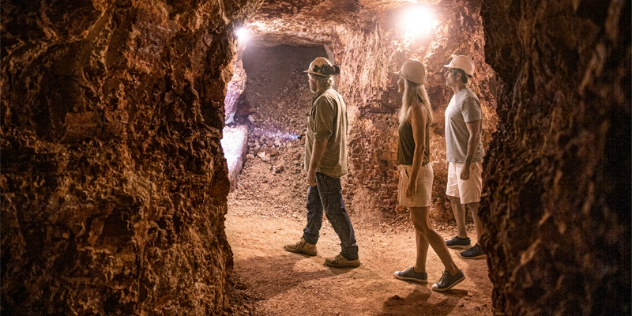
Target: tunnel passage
(370, 43)
(114, 184)
(271, 112)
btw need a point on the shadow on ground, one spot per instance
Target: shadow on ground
(270, 276)
(416, 303)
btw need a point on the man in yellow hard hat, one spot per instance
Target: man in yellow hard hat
(325, 163)
(464, 153)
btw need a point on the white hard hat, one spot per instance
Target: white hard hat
(462, 62)
(321, 66)
(414, 71)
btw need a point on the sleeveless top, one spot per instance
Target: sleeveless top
(406, 145)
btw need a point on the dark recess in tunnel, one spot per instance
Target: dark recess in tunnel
(272, 111)
(275, 71)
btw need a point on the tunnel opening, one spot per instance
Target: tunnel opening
(272, 186)
(270, 116)
(266, 92)
(267, 204)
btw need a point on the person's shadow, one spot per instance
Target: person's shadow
(416, 303)
(269, 276)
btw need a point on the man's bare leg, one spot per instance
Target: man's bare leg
(459, 215)
(477, 220)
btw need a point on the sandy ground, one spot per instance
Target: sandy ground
(281, 283)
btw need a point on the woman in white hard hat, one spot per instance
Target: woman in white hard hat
(416, 176)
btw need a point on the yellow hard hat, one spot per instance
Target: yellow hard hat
(414, 71)
(462, 62)
(321, 66)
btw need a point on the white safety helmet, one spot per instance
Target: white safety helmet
(462, 62)
(321, 66)
(414, 71)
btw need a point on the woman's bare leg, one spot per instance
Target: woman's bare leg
(422, 252)
(419, 216)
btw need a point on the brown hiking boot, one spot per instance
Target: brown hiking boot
(341, 262)
(302, 246)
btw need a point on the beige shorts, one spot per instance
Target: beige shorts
(424, 186)
(468, 191)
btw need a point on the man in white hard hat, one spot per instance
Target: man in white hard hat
(325, 163)
(464, 153)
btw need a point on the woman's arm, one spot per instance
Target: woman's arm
(418, 119)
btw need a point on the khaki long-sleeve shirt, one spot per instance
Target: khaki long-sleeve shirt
(328, 120)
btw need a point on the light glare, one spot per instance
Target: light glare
(243, 34)
(418, 20)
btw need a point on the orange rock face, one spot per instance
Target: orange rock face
(113, 180)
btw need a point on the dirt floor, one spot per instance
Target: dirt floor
(275, 282)
(267, 210)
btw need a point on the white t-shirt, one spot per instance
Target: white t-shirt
(464, 107)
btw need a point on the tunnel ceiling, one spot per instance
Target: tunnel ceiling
(308, 22)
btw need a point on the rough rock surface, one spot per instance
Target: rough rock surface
(558, 212)
(234, 89)
(113, 180)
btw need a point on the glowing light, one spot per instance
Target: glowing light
(418, 20)
(242, 34)
(235, 142)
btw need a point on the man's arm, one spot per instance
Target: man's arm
(473, 128)
(318, 150)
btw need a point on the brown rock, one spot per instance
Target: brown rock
(557, 179)
(113, 182)
(278, 169)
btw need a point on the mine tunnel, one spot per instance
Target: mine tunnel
(266, 106)
(152, 156)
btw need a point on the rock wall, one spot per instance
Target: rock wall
(113, 180)
(558, 211)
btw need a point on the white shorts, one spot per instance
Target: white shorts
(424, 186)
(468, 191)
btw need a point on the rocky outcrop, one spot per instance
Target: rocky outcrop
(235, 145)
(558, 211)
(113, 178)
